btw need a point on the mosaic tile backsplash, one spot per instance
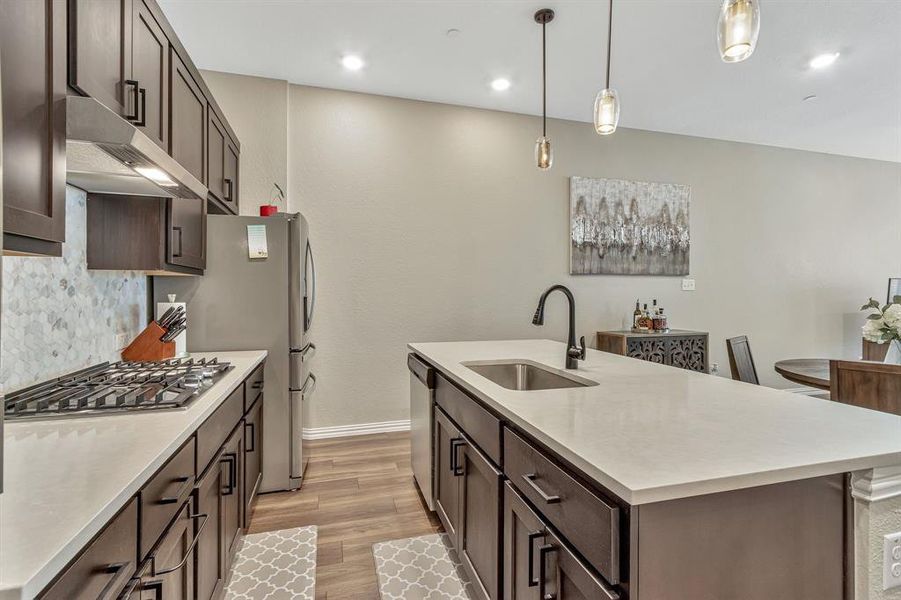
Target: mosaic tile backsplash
(58, 316)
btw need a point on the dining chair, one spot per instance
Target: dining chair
(872, 385)
(740, 360)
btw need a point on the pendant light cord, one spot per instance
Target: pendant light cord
(544, 81)
(609, 41)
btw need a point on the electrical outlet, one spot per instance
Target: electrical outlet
(891, 561)
(121, 340)
(688, 285)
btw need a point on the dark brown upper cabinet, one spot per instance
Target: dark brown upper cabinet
(222, 166)
(33, 51)
(163, 236)
(150, 74)
(100, 52)
(187, 118)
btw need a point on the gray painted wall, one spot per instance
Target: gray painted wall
(431, 223)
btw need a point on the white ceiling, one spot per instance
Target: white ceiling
(665, 63)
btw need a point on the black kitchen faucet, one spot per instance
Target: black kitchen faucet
(573, 353)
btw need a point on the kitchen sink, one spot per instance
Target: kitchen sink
(524, 375)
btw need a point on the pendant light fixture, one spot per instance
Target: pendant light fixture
(736, 33)
(544, 154)
(606, 105)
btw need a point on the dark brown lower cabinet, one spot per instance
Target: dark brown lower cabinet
(253, 455)
(232, 463)
(479, 533)
(169, 571)
(538, 564)
(468, 500)
(210, 568)
(447, 487)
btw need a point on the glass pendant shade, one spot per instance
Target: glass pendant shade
(606, 112)
(736, 33)
(544, 154)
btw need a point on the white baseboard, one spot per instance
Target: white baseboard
(320, 433)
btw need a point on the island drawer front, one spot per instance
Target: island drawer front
(216, 429)
(587, 521)
(254, 387)
(163, 496)
(106, 565)
(481, 426)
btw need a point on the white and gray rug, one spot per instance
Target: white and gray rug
(275, 565)
(419, 568)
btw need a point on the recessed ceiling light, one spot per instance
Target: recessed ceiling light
(352, 62)
(500, 84)
(452, 32)
(823, 60)
(809, 98)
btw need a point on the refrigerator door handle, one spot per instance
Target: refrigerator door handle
(309, 289)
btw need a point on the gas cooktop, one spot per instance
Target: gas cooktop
(115, 388)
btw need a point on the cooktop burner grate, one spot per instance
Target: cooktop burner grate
(118, 387)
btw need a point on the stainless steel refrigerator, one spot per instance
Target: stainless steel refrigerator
(243, 303)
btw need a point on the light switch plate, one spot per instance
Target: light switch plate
(891, 561)
(688, 285)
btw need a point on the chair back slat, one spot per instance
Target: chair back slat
(740, 360)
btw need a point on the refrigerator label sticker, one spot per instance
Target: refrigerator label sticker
(256, 242)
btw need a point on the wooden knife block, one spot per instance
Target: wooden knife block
(147, 346)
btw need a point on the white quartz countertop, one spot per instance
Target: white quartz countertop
(65, 478)
(650, 432)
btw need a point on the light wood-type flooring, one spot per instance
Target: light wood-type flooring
(358, 491)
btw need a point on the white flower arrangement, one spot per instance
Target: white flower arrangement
(884, 325)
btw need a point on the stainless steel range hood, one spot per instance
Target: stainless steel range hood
(105, 153)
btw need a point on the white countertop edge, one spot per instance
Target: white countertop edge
(67, 552)
(674, 491)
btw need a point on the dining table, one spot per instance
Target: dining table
(813, 372)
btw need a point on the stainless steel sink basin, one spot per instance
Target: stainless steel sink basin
(524, 375)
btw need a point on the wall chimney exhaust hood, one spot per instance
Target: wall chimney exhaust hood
(107, 154)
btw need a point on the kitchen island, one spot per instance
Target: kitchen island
(709, 488)
(66, 479)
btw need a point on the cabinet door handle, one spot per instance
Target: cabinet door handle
(228, 193)
(248, 448)
(153, 570)
(232, 461)
(109, 591)
(530, 478)
(543, 551)
(177, 229)
(186, 484)
(455, 466)
(137, 87)
(532, 537)
(142, 121)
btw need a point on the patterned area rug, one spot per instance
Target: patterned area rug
(275, 565)
(419, 568)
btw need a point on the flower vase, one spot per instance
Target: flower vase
(893, 356)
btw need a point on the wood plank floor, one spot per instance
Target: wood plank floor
(358, 491)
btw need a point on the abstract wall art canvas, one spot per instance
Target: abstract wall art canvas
(622, 227)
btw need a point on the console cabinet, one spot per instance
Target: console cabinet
(177, 538)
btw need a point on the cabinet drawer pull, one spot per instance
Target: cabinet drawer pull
(532, 537)
(137, 89)
(142, 120)
(228, 193)
(232, 461)
(109, 591)
(177, 229)
(455, 466)
(530, 478)
(251, 437)
(184, 560)
(543, 551)
(186, 484)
